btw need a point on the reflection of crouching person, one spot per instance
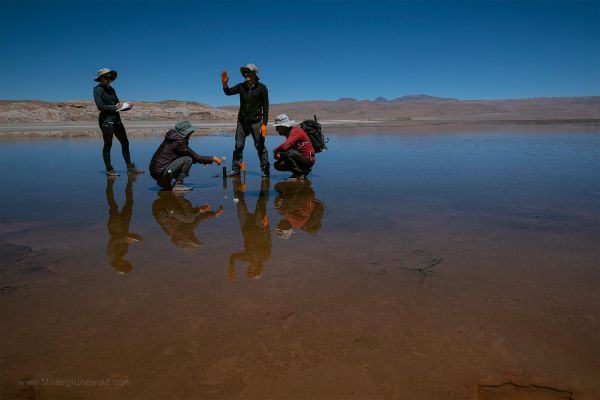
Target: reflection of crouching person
(174, 158)
(296, 154)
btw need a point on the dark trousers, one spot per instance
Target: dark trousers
(118, 130)
(294, 161)
(178, 169)
(242, 131)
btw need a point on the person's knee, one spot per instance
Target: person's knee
(187, 160)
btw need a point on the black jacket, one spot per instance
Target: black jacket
(173, 147)
(254, 103)
(106, 100)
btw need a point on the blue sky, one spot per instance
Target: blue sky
(51, 50)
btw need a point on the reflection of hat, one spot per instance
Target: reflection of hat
(284, 233)
(122, 266)
(104, 71)
(188, 244)
(284, 120)
(284, 229)
(184, 128)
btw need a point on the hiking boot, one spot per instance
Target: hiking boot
(234, 173)
(180, 187)
(132, 169)
(111, 173)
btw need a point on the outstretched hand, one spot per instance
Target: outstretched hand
(224, 78)
(217, 160)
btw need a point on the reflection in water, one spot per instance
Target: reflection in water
(118, 226)
(299, 208)
(179, 218)
(255, 230)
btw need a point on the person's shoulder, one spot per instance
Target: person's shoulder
(296, 130)
(262, 85)
(98, 88)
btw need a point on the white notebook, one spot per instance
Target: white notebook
(126, 106)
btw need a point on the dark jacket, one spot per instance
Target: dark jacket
(173, 147)
(254, 103)
(106, 100)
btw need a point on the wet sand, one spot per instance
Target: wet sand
(452, 267)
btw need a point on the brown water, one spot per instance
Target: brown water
(451, 266)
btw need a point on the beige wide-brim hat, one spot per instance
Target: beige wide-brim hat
(104, 71)
(249, 67)
(283, 120)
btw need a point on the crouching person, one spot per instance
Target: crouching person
(296, 154)
(174, 158)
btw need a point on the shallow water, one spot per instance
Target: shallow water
(430, 266)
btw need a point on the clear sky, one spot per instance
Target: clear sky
(51, 50)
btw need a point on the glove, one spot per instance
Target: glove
(263, 130)
(217, 160)
(224, 78)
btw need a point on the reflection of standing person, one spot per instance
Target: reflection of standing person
(252, 117)
(299, 208)
(179, 218)
(110, 122)
(255, 230)
(118, 226)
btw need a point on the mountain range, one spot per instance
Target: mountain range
(406, 108)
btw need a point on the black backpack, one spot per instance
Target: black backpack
(313, 129)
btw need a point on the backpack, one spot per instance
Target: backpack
(313, 129)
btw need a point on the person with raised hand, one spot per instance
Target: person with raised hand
(252, 117)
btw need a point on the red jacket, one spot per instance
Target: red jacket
(298, 140)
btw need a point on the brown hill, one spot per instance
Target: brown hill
(427, 108)
(42, 111)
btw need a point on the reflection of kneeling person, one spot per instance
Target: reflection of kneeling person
(174, 158)
(179, 218)
(299, 208)
(296, 154)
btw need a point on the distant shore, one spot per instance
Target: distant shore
(89, 129)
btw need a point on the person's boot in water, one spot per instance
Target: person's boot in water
(132, 169)
(180, 187)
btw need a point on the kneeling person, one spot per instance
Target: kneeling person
(297, 153)
(174, 158)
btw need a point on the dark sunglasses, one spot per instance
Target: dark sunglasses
(247, 72)
(107, 76)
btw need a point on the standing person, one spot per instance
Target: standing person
(110, 122)
(174, 158)
(297, 153)
(252, 117)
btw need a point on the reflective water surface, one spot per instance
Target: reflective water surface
(430, 266)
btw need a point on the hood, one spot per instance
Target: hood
(172, 136)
